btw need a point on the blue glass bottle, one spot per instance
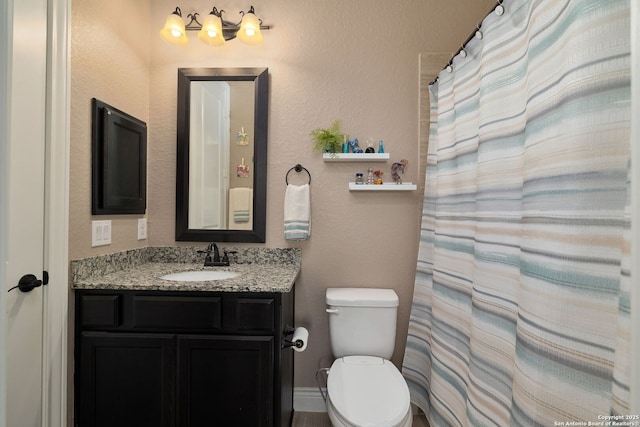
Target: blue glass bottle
(380, 147)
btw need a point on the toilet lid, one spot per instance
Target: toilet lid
(368, 391)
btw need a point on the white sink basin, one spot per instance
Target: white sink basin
(200, 275)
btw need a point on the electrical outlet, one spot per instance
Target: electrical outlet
(142, 228)
(100, 233)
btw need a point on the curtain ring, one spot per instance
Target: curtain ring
(499, 9)
(478, 33)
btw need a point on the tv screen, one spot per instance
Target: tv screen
(119, 151)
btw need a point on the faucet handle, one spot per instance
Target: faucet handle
(207, 254)
(225, 257)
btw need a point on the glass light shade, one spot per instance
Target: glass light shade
(211, 32)
(174, 31)
(249, 31)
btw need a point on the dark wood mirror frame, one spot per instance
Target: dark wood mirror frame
(260, 77)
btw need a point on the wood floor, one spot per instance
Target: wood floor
(321, 419)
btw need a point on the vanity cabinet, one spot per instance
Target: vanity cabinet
(156, 358)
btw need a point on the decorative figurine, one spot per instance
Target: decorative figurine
(378, 175)
(398, 167)
(242, 170)
(370, 148)
(355, 146)
(242, 137)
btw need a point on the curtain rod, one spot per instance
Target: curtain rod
(471, 36)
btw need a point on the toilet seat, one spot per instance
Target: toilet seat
(367, 391)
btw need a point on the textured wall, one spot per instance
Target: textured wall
(357, 61)
(109, 61)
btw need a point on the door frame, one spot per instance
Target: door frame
(56, 256)
(57, 143)
(6, 28)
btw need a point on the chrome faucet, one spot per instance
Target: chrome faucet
(215, 261)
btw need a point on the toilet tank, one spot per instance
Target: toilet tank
(362, 321)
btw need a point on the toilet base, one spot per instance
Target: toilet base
(338, 421)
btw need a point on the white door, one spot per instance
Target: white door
(22, 172)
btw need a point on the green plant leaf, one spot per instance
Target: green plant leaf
(328, 139)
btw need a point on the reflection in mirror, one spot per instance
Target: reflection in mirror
(222, 138)
(220, 155)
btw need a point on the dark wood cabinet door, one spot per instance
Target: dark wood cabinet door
(127, 380)
(183, 359)
(225, 381)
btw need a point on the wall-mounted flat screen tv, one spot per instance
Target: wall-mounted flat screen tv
(119, 169)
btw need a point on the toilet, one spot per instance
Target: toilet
(363, 387)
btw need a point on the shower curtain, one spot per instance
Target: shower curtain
(521, 304)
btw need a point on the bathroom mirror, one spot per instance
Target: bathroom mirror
(221, 174)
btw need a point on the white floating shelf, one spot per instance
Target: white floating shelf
(390, 186)
(355, 157)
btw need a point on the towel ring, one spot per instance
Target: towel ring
(298, 168)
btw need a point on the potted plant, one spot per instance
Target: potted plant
(328, 140)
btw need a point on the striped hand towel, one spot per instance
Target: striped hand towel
(241, 215)
(297, 212)
(240, 204)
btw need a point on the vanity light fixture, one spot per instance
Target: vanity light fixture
(213, 30)
(249, 32)
(174, 29)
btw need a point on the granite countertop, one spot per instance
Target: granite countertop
(261, 270)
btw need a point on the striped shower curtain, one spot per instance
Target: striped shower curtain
(521, 305)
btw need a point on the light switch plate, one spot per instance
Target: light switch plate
(100, 233)
(142, 228)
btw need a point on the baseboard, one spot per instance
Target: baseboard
(308, 399)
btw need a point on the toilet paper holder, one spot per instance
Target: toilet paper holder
(297, 344)
(297, 341)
